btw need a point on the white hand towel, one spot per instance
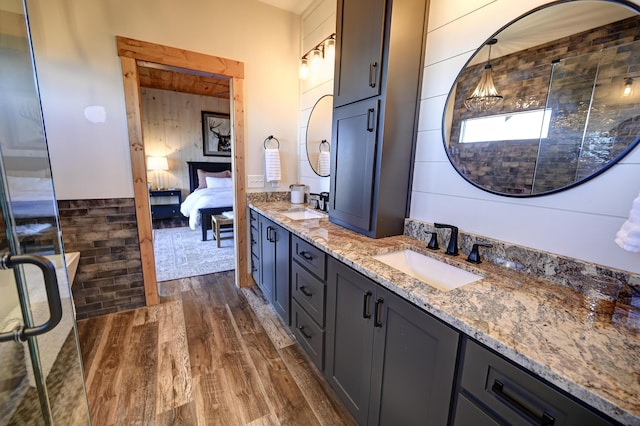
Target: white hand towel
(628, 237)
(272, 164)
(324, 163)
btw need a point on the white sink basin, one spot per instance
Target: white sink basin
(437, 274)
(303, 215)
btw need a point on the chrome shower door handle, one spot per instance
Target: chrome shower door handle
(51, 287)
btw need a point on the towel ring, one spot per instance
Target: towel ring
(270, 138)
(324, 142)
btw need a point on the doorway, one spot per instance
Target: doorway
(131, 51)
(176, 106)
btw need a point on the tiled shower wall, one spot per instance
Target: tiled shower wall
(109, 275)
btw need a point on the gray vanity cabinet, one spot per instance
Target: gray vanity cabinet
(254, 231)
(494, 390)
(354, 149)
(358, 52)
(390, 362)
(274, 266)
(374, 127)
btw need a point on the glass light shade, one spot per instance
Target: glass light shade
(485, 96)
(303, 71)
(316, 59)
(330, 50)
(157, 163)
(628, 87)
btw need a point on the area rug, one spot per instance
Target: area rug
(181, 253)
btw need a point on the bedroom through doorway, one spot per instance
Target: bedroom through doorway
(185, 118)
(135, 54)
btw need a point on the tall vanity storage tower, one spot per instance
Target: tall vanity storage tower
(379, 62)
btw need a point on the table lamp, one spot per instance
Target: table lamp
(157, 164)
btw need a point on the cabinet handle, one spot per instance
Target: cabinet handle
(271, 237)
(304, 332)
(377, 321)
(373, 75)
(304, 291)
(365, 305)
(306, 255)
(274, 235)
(370, 119)
(544, 419)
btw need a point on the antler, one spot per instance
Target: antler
(213, 125)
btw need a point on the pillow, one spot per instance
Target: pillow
(214, 182)
(202, 175)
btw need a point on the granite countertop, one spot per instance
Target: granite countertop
(537, 324)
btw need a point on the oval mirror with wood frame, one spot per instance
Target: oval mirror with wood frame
(549, 101)
(319, 136)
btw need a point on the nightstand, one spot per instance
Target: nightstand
(165, 203)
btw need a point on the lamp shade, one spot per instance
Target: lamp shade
(157, 163)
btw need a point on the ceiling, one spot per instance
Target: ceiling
(552, 23)
(294, 6)
(163, 77)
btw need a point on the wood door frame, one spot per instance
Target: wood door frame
(129, 51)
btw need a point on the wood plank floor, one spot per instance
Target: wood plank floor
(209, 354)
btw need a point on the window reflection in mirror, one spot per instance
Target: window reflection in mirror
(562, 70)
(319, 136)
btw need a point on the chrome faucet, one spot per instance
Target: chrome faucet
(452, 247)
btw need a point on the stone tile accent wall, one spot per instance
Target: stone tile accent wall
(109, 276)
(562, 270)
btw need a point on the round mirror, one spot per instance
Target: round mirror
(319, 136)
(549, 101)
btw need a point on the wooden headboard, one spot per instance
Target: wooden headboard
(207, 167)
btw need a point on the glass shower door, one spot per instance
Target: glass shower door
(41, 378)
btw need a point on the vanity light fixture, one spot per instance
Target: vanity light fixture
(330, 49)
(303, 72)
(485, 96)
(313, 58)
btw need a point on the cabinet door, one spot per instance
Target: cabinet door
(355, 129)
(359, 42)
(413, 364)
(267, 258)
(281, 281)
(349, 337)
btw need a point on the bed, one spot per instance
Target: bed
(34, 209)
(200, 205)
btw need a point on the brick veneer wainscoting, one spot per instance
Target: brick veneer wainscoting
(109, 276)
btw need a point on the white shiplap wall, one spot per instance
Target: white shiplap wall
(580, 222)
(318, 21)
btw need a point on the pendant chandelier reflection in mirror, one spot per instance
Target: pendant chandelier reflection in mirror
(486, 95)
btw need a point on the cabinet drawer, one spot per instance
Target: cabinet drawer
(468, 414)
(255, 242)
(310, 336)
(309, 256)
(253, 218)
(255, 269)
(309, 292)
(515, 395)
(165, 211)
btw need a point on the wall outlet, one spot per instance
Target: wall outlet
(255, 181)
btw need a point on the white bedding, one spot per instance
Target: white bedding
(203, 199)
